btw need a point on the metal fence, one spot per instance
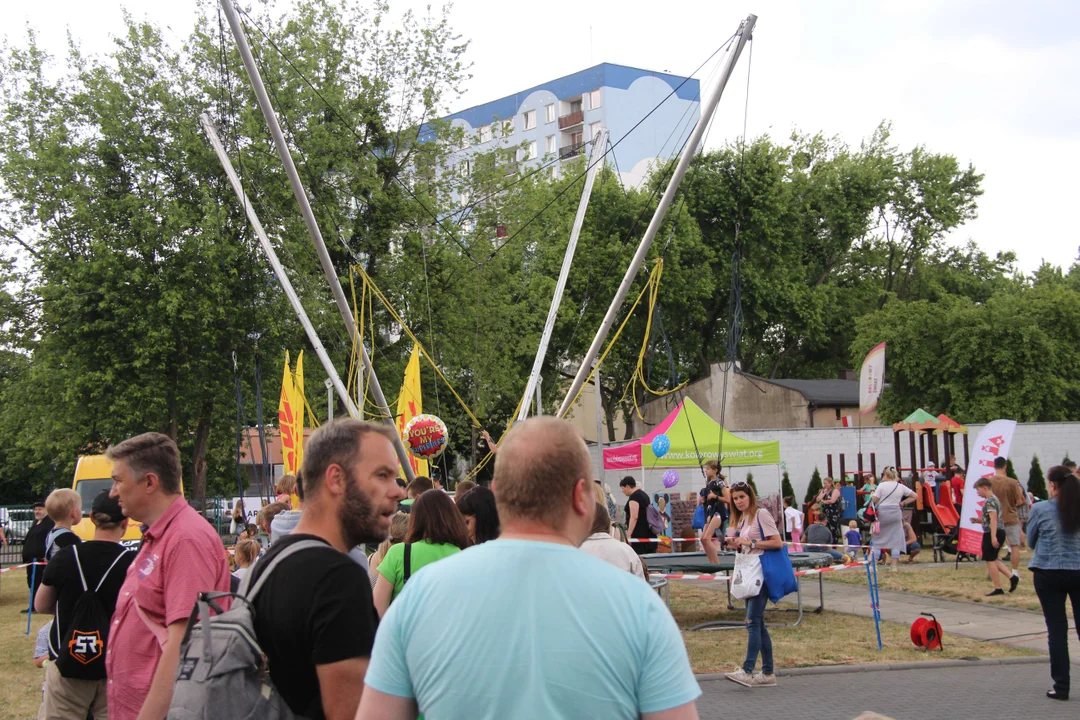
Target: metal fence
(17, 519)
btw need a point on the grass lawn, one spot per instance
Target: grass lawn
(20, 681)
(968, 582)
(825, 639)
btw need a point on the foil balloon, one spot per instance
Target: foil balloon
(425, 436)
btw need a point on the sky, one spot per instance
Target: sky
(992, 82)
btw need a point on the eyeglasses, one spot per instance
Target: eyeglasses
(740, 486)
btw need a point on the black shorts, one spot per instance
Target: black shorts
(989, 552)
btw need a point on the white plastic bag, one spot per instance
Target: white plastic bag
(746, 578)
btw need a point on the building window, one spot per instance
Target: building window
(529, 118)
(466, 168)
(575, 106)
(530, 151)
(465, 142)
(485, 134)
(594, 130)
(551, 147)
(594, 99)
(549, 113)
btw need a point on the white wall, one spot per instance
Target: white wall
(801, 450)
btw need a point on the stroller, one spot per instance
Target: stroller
(947, 544)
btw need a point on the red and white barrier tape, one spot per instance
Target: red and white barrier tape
(17, 567)
(698, 540)
(713, 576)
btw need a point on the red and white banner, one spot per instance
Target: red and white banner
(847, 421)
(993, 441)
(871, 379)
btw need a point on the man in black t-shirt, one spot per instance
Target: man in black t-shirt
(637, 515)
(34, 545)
(314, 617)
(103, 561)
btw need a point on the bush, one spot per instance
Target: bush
(1036, 484)
(815, 487)
(1009, 470)
(750, 482)
(785, 488)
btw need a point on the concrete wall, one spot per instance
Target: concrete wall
(583, 416)
(803, 449)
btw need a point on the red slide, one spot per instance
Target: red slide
(946, 515)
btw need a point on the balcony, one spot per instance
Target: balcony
(571, 150)
(574, 118)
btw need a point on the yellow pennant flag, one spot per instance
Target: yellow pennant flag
(287, 412)
(409, 405)
(299, 401)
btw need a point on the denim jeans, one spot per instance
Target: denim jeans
(758, 640)
(1053, 588)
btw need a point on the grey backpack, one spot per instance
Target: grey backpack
(223, 673)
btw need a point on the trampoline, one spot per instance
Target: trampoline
(698, 562)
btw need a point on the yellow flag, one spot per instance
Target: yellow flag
(298, 403)
(286, 420)
(409, 405)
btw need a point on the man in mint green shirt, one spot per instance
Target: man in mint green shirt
(554, 632)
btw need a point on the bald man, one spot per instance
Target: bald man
(557, 633)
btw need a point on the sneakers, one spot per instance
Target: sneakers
(741, 677)
(763, 680)
(997, 591)
(745, 679)
(1013, 582)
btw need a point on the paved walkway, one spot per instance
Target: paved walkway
(1005, 691)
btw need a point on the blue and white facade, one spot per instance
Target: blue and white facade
(556, 120)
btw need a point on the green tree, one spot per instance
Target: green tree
(750, 482)
(1036, 479)
(1009, 470)
(814, 488)
(786, 489)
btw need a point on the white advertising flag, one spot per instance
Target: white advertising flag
(871, 379)
(993, 441)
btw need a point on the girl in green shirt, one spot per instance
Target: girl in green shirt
(436, 530)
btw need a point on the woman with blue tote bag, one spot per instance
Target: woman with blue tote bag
(753, 531)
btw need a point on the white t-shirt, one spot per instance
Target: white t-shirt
(891, 492)
(610, 550)
(792, 519)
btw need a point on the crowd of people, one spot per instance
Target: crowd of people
(521, 582)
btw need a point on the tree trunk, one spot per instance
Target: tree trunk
(202, 438)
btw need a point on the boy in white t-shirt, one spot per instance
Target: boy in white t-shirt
(793, 523)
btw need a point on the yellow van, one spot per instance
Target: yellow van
(93, 473)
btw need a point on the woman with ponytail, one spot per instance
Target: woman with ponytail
(1054, 535)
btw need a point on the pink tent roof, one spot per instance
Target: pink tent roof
(628, 456)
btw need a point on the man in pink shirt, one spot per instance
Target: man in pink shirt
(181, 556)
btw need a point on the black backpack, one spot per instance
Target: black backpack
(83, 636)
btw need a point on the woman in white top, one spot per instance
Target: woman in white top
(889, 497)
(753, 531)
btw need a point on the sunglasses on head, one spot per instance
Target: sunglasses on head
(740, 486)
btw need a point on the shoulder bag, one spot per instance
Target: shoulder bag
(746, 577)
(777, 571)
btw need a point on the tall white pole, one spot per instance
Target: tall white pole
(596, 158)
(599, 423)
(329, 402)
(309, 219)
(746, 28)
(333, 380)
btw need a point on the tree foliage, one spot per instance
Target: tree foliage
(1036, 483)
(786, 490)
(813, 488)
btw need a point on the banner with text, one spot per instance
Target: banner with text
(871, 379)
(993, 441)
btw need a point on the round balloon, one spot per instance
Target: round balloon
(660, 445)
(671, 478)
(425, 436)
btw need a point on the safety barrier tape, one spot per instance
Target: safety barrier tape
(713, 576)
(666, 540)
(18, 567)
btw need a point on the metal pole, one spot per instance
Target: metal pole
(360, 391)
(599, 424)
(271, 254)
(312, 225)
(746, 28)
(539, 404)
(596, 161)
(329, 401)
